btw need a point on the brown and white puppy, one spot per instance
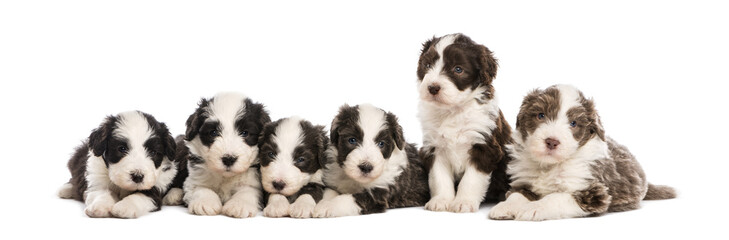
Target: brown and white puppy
(221, 150)
(124, 168)
(464, 131)
(370, 165)
(564, 166)
(292, 156)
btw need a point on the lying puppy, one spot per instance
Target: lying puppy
(292, 155)
(220, 147)
(371, 165)
(124, 168)
(464, 131)
(564, 166)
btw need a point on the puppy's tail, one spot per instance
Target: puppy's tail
(658, 192)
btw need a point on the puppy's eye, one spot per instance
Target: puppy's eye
(540, 116)
(214, 133)
(381, 144)
(123, 149)
(458, 70)
(300, 160)
(153, 152)
(271, 155)
(352, 141)
(244, 134)
(573, 124)
(427, 65)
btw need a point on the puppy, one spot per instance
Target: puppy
(370, 165)
(564, 166)
(464, 131)
(292, 155)
(220, 147)
(124, 168)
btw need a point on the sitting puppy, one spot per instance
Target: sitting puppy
(564, 166)
(220, 147)
(464, 131)
(124, 168)
(292, 155)
(371, 165)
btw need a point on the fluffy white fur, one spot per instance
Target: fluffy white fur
(287, 136)
(278, 206)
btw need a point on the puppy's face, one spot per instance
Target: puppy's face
(133, 146)
(224, 132)
(554, 123)
(291, 151)
(365, 137)
(453, 69)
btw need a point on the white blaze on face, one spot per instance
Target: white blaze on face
(133, 127)
(436, 76)
(288, 136)
(225, 109)
(372, 121)
(558, 129)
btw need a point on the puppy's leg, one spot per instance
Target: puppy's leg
(339, 206)
(244, 203)
(552, 206)
(134, 206)
(278, 206)
(303, 207)
(508, 209)
(471, 191)
(440, 180)
(203, 201)
(66, 191)
(99, 203)
(173, 197)
(329, 194)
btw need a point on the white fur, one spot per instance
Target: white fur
(508, 209)
(339, 206)
(288, 136)
(303, 207)
(205, 191)
(552, 206)
(133, 127)
(471, 191)
(173, 197)
(449, 93)
(278, 206)
(334, 176)
(133, 206)
(66, 191)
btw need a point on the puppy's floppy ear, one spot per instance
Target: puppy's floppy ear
(257, 109)
(488, 65)
(100, 136)
(396, 130)
(595, 123)
(427, 45)
(322, 145)
(168, 142)
(196, 119)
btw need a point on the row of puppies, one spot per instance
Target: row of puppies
(368, 166)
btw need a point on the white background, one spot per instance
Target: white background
(657, 71)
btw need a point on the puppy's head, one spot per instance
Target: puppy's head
(133, 145)
(553, 124)
(291, 151)
(224, 131)
(365, 138)
(453, 69)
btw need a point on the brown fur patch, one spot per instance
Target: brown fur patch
(623, 177)
(594, 200)
(491, 157)
(531, 196)
(659, 192)
(538, 101)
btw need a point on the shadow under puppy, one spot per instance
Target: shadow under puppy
(124, 168)
(564, 166)
(370, 165)
(292, 156)
(220, 149)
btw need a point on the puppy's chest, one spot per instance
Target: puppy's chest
(564, 178)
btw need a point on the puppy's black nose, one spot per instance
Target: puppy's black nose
(279, 185)
(433, 89)
(137, 177)
(551, 143)
(365, 168)
(229, 160)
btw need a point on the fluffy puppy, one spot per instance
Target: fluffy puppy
(292, 155)
(370, 165)
(220, 147)
(464, 131)
(124, 168)
(564, 166)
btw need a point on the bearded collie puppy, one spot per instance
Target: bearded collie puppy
(124, 168)
(370, 167)
(564, 166)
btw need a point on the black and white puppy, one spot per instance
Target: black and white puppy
(464, 131)
(564, 166)
(292, 156)
(124, 168)
(220, 147)
(370, 165)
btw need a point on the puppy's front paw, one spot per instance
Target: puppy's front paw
(437, 204)
(239, 209)
(202, 207)
(173, 197)
(502, 211)
(128, 209)
(278, 206)
(463, 206)
(534, 212)
(339, 206)
(99, 208)
(303, 207)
